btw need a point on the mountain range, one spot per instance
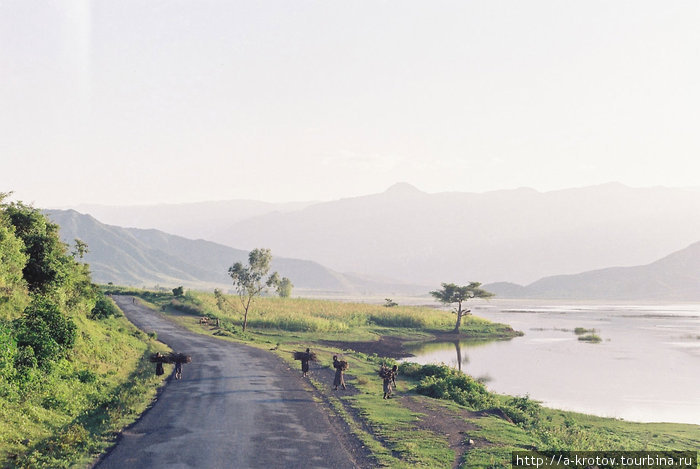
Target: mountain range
(555, 242)
(140, 257)
(675, 277)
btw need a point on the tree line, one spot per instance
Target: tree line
(43, 285)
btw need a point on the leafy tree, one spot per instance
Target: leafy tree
(81, 248)
(452, 293)
(284, 288)
(45, 330)
(389, 303)
(221, 301)
(178, 291)
(13, 289)
(48, 264)
(250, 280)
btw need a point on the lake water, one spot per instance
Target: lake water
(646, 369)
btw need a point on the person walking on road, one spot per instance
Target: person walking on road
(305, 363)
(340, 367)
(178, 370)
(159, 364)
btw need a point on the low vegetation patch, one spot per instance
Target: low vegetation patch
(592, 338)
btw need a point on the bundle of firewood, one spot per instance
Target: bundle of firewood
(384, 372)
(342, 365)
(310, 356)
(171, 357)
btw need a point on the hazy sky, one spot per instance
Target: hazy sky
(129, 102)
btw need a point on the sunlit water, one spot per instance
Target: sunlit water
(647, 368)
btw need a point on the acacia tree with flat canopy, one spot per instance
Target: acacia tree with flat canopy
(250, 280)
(452, 293)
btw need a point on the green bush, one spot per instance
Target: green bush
(443, 382)
(46, 331)
(104, 308)
(523, 411)
(8, 351)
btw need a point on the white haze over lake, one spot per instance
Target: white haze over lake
(136, 102)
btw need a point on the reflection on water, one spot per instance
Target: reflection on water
(646, 368)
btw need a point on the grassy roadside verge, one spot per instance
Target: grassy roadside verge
(72, 414)
(461, 425)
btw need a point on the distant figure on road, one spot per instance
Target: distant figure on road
(159, 365)
(340, 367)
(178, 370)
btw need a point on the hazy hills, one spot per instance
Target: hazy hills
(516, 235)
(131, 256)
(674, 277)
(192, 220)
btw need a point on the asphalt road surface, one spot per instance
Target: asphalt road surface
(235, 407)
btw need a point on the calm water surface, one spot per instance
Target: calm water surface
(647, 368)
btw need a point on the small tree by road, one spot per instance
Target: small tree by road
(452, 293)
(250, 280)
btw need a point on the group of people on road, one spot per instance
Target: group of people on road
(388, 375)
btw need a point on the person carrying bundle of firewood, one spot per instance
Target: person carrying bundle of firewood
(389, 379)
(305, 358)
(340, 367)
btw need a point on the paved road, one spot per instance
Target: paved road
(235, 407)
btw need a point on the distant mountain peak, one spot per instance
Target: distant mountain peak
(403, 188)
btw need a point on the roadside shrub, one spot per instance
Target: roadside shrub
(104, 308)
(46, 331)
(523, 411)
(416, 371)
(443, 382)
(188, 308)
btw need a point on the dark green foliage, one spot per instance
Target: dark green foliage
(46, 331)
(104, 308)
(25, 358)
(523, 411)
(8, 351)
(86, 376)
(389, 303)
(48, 264)
(443, 382)
(178, 291)
(12, 261)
